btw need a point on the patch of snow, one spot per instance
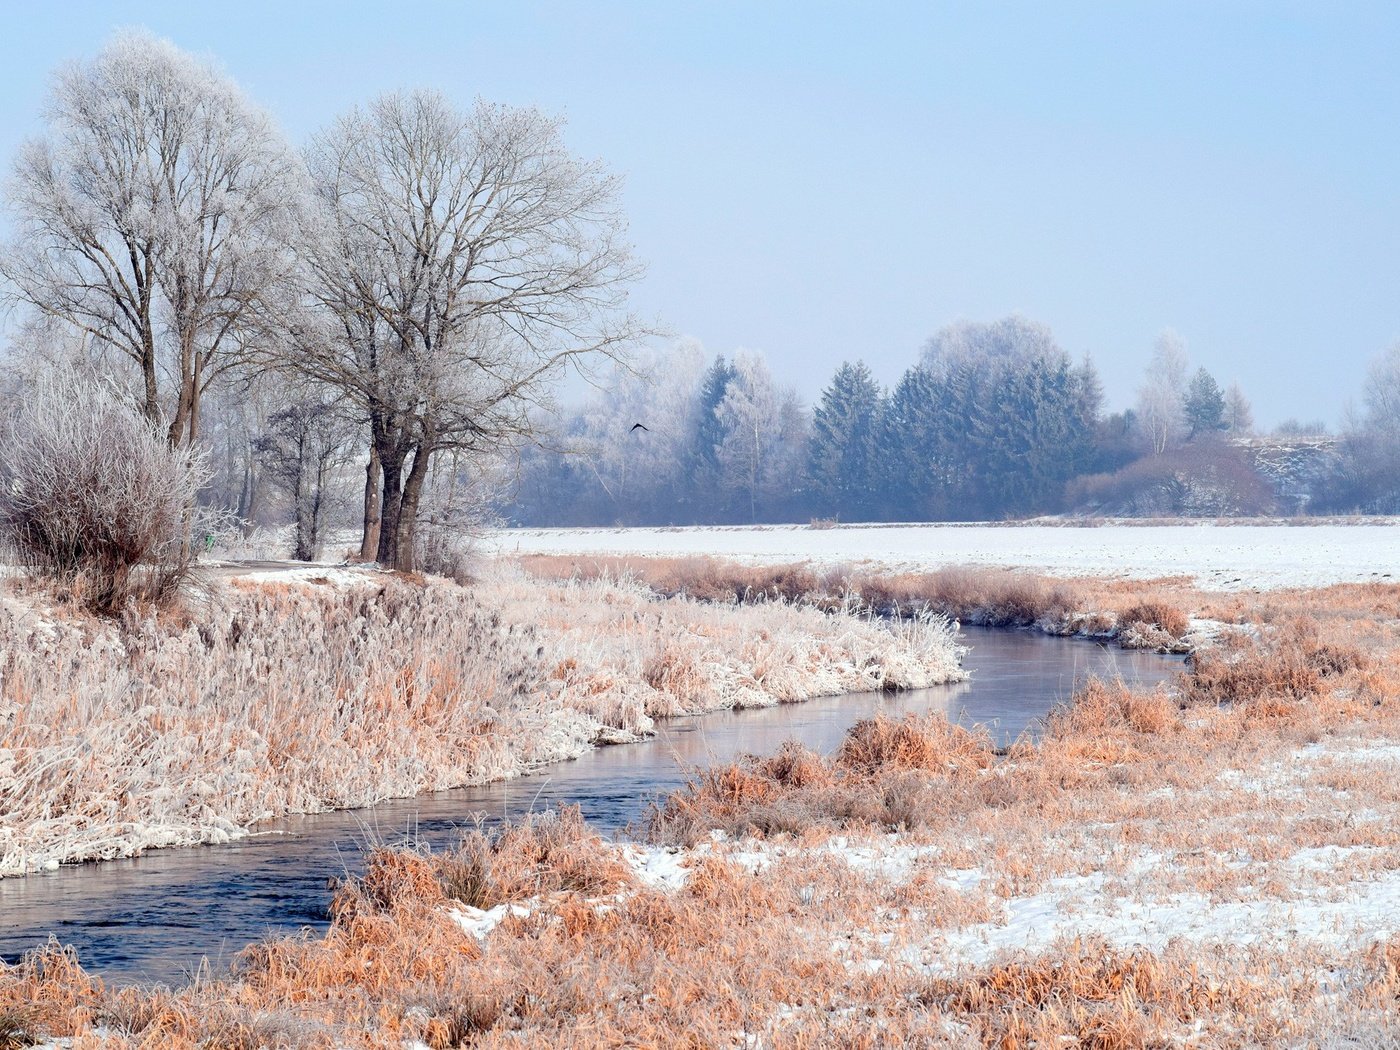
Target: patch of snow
(659, 867)
(478, 923)
(1033, 923)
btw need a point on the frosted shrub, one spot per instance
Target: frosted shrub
(93, 496)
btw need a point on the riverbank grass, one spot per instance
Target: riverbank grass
(1217, 864)
(341, 690)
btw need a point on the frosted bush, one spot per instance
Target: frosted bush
(94, 498)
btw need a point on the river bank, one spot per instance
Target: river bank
(339, 689)
(1216, 866)
(157, 916)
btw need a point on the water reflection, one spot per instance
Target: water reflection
(155, 917)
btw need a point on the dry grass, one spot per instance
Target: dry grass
(297, 697)
(1139, 613)
(547, 853)
(1208, 867)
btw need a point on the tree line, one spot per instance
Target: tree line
(994, 420)
(368, 330)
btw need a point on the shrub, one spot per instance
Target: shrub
(94, 498)
(549, 851)
(444, 550)
(1154, 612)
(1290, 663)
(1205, 479)
(929, 743)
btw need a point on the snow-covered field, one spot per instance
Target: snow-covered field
(1217, 557)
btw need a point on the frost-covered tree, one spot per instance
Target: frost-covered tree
(762, 451)
(1381, 394)
(708, 434)
(843, 474)
(234, 416)
(1239, 417)
(641, 472)
(304, 447)
(994, 421)
(1203, 408)
(1011, 341)
(1162, 397)
(466, 259)
(157, 215)
(1367, 473)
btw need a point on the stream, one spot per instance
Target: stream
(153, 918)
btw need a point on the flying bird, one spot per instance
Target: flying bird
(638, 426)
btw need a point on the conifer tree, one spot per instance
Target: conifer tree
(842, 461)
(1204, 407)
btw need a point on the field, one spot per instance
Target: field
(1216, 556)
(1215, 864)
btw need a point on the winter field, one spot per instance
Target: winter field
(1215, 864)
(1215, 556)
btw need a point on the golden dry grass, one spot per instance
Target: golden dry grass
(1151, 614)
(1258, 805)
(298, 697)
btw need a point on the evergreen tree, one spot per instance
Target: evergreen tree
(910, 447)
(1003, 419)
(1204, 407)
(842, 462)
(704, 463)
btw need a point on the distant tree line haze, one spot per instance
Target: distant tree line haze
(362, 337)
(992, 421)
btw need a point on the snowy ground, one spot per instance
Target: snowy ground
(1217, 557)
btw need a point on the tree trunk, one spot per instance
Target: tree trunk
(305, 547)
(389, 507)
(369, 539)
(148, 376)
(408, 510)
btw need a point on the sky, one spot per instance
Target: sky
(826, 182)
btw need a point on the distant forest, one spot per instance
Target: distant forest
(993, 421)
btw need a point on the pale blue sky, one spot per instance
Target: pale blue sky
(837, 181)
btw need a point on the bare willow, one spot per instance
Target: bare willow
(463, 261)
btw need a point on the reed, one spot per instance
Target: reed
(293, 697)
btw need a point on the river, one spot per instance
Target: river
(155, 917)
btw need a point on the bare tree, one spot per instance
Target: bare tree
(1381, 394)
(307, 442)
(1162, 397)
(1239, 417)
(465, 259)
(1005, 344)
(764, 434)
(641, 471)
(155, 216)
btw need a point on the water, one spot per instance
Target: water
(153, 918)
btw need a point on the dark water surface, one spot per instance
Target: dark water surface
(153, 918)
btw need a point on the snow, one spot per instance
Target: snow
(1217, 556)
(478, 922)
(662, 868)
(1122, 909)
(1076, 907)
(301, 572)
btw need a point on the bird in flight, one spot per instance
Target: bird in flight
(638, 426)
